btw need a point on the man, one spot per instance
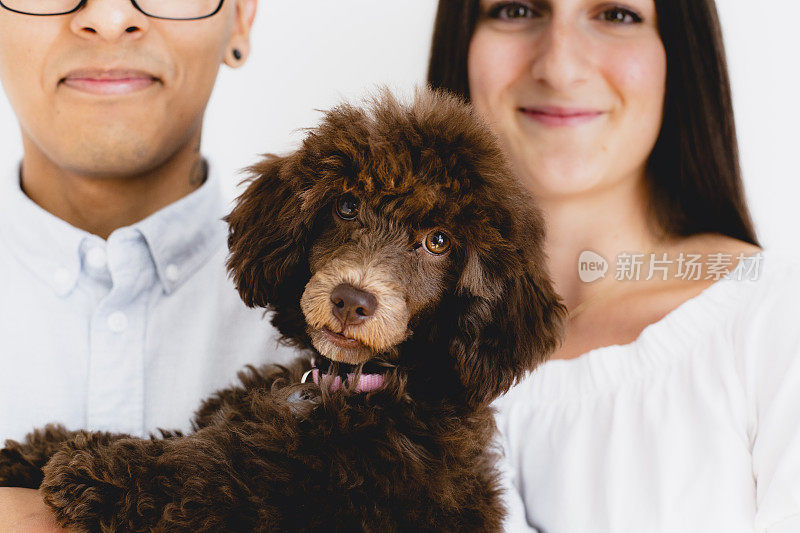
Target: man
(115, 309)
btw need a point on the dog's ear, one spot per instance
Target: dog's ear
(268, 238)
(511, 319)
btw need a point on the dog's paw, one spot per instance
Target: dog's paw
(17, 471)
(300, 399)
(302, 402)
(78, 489)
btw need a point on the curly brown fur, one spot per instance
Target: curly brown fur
(454, 329)
(21, 462)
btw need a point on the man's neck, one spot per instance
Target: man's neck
(100, 205)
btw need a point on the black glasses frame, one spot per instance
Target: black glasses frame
(83, 3)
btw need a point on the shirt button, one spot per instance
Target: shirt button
(96, 258)
(61, 279)
(117, 321)
(172, 272)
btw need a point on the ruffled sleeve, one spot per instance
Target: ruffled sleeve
(516, 520)
(769, 339)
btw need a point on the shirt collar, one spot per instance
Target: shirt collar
(181, 237)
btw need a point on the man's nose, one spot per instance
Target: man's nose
(109, 20)
(561, 60)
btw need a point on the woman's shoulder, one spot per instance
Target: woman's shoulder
(748, 321)
(755, 298)
(770, 296)
(749, 278)
(747, 318)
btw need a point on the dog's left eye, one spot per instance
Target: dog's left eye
(437, 242)
(347, 207)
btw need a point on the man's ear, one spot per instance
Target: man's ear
(238, 48)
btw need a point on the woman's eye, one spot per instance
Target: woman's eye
(620, 15)
(347, 207)
(510, 11)
(437, 242)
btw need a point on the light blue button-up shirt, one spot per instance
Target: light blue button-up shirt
(126, 334)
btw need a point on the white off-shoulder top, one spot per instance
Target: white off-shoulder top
(693, 427)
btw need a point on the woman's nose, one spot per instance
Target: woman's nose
(561, 59)
(109, 20)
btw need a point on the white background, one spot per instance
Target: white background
(309, 55)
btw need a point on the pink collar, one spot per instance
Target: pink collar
(366, 383)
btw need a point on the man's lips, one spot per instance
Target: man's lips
(109, 82)
(340, 340)
(560, 116)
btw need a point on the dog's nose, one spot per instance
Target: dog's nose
(352, 306)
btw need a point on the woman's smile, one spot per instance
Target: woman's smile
(560, 116)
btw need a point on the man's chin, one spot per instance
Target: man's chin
(340, 349)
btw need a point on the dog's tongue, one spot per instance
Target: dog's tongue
(366, 382)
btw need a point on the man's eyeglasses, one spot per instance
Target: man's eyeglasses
(160, 9)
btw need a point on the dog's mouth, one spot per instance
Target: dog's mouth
(341, 347)
(362, 377)
(341, 340)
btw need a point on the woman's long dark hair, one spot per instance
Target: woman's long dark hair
(694, 177)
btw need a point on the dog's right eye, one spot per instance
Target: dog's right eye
(347, 207)
(437, 242)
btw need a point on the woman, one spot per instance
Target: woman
(674, 402)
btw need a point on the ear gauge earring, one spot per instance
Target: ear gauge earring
(237, 55)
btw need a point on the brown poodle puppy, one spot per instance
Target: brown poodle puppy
(397, 247)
